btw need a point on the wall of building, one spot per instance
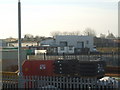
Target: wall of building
(65, 50)
(24, 44)
(73, 40)
(47, 42)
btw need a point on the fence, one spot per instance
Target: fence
(111, 59)
(58, 83)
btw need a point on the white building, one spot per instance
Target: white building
(24, 44)
(74, 40)
(72, 43)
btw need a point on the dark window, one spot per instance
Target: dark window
(63, 43)
(80, 44)
(70, 47)
(87, 42)
(62, 48)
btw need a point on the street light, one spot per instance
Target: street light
(19, 46)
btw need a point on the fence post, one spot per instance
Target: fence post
(77, 82)
(67, 83)
(103, 84)
(74, 83)
(64, 84)
(81, 83)
(98, 85)
(115, 85)
(57, 84)
(70, 80)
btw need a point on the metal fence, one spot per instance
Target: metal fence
(58, 83)
(111, 59)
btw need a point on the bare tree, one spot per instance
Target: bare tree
(110, 36)
(89, 32)
(76, 32)
(102, 35)
(65, 33)
(37, 38)
(54, 33)
(72, 33)
(27, 36)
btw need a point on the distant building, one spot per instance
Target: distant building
(71, 43)
(10, 39)
(104, 42)
(3, 43)
(24, 43)
(47, 42)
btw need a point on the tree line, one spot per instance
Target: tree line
(86, 32)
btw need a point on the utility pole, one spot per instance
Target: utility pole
(19, 47)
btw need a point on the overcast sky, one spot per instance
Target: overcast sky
(41, 17)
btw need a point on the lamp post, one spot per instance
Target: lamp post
(19, 46)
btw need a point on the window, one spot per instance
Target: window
(80, 44)
(87, 42)
(70, 47)
(63, 43)
(62, 48)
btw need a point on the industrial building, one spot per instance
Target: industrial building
(24, 43)
(70, 44)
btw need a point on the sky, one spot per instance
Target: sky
(41, 17)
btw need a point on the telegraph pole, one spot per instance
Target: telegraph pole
(19, 46)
